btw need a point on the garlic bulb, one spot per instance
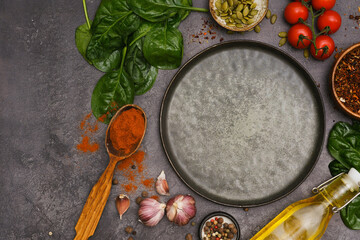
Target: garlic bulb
(162, 187)
(180, 209)
(122, 204)
(151, 212)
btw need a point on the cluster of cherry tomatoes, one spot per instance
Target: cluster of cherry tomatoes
(301, 35)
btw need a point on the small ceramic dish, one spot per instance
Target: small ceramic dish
(340, 102)
(215, 216)
(261, 7)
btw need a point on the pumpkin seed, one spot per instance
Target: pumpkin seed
(236, 2)
(246, 18)
(227, 20)
(239, 15)
(257, 28)
(252, 6)
(282, 34)
(250, 21)
(231, 24)
(273, 19)
(233, 16)
(254, 12)
(224, 6)
(218, 4)
(246, 11)
(268, 14)
(240, 7)
(223, 14)
(243, 21)
(239, 25)
(249, 1)
(237, 20)
(217, 12)
(306, 53)
(231, 20)
(282, 42)
(230, 2)
(224, 18)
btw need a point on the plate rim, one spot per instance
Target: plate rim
(292, 61)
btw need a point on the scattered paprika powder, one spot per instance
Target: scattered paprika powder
(88, 128)
(135, 177)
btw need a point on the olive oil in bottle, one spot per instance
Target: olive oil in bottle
(307, 219)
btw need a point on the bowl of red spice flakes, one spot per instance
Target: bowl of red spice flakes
(345, 81)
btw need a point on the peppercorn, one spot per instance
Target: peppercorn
(133, 167)
(138, 200)
(115, 181)
(145, 194)
(233, 230)
(133, 233)
(230, 235)
(208, 224)
(220, 220)
(188, 237)
(231, 225)
(128, 229)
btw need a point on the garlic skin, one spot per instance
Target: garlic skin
(151, 212)
(161, 185)
(180, 209)
(122, 204)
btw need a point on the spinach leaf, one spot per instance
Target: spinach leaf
(344, 146)
(113, 22)
(112, 91)
(163, 47)
(180, 15)
(82, 39)
(351, 214)
(336, 168)
(160, 10)
(141, 72)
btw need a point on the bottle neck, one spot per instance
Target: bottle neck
(340, 191)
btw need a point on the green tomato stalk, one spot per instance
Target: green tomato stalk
(326, 30)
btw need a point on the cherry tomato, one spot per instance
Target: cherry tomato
(294, 11)
(322, 41)
(294, 34)
(327, 4)
(329, 18)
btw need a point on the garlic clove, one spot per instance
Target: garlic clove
(151, 212)
(161, 185)
(180, 209)
(122, 204)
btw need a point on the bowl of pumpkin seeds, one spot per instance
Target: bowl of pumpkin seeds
(238, 15)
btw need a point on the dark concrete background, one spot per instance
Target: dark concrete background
(46, 89)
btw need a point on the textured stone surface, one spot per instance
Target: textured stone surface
(45, 92)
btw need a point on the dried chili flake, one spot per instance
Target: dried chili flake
(347, 80)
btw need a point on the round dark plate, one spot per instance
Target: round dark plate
(242, 123)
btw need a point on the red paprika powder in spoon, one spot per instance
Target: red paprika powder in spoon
(127, 130)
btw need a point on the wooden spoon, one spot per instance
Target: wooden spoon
(99, 194)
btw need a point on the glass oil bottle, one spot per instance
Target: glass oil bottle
(308, 219)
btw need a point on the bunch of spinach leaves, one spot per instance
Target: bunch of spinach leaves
(129, 40)
(344, 146)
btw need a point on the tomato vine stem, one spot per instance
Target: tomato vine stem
(312, 27)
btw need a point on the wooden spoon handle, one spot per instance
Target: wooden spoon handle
(95, 204)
